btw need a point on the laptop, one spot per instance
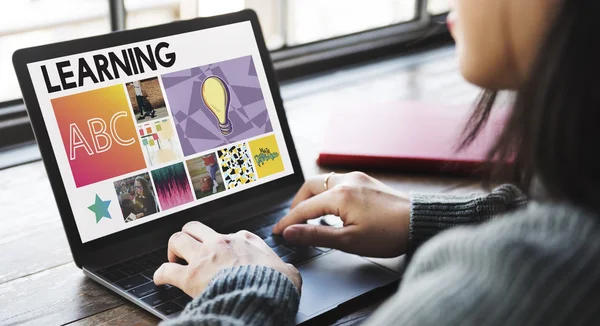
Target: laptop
(144, 130)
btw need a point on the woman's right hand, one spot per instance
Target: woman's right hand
(376, 218)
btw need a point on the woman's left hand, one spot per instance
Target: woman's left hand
(207, 252)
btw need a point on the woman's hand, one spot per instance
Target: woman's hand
(207, 252)
(376, 218)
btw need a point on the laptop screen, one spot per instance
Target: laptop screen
(144, 130)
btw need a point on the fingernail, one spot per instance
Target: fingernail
(291, 232)
(175, 235)
(156, 272)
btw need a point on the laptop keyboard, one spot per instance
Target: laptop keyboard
(135, 275)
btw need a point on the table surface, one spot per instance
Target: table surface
(39, 283)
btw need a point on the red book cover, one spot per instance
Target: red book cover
(408, 136)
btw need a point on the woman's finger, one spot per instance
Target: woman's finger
(200, 231)
(182, 245)
(317, 235)
(317, 206)
(315, 186)
(170, 273)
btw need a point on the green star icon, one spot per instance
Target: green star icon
(100, 208)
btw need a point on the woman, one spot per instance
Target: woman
(525, 264)
(144, 199)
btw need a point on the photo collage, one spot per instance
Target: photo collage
(195, 133)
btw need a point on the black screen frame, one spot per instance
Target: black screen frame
(25, 56)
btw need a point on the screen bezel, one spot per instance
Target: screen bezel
(25, 56)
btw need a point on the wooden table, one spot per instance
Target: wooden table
(40, 285)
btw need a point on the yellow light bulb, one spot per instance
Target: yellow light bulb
(215, 95)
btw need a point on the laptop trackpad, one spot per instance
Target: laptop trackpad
(336, 278)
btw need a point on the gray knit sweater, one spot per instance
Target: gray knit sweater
(536, 265)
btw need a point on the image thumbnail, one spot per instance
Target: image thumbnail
(147, 100)
(216, 104)
(236, 164)
(136, 197)
(99, 136)
(206, 175)
(159, 142)
(172, 187)
(266, 156)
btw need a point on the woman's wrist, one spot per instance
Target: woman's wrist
(261, 282)
(431, 213)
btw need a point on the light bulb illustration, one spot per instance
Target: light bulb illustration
(215, 95)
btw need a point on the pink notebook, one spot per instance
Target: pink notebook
(407, 136)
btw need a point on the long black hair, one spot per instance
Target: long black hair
(145, 186)
(553, 130)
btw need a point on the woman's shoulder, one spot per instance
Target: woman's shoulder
(536, 263)
(535, 266)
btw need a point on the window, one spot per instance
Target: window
(30, 23)
(437, 7)
(142, 13)
(300, 33)
(315, 20)
(289, 23)
(286, 23)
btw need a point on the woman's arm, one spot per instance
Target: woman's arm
(236, 278)
(537, 266)
(380, 221)
(433, 213)
(243, 295)
(247, 295)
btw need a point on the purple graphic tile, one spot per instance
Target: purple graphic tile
(197, 127)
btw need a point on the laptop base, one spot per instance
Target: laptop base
(343, 276)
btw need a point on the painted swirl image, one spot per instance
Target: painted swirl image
(172, 186)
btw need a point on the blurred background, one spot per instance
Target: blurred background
(304, 36)
(285, 23)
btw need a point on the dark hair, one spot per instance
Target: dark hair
(145, 186)
(551, 133)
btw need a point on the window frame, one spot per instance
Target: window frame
(323, 49)
(290, 62)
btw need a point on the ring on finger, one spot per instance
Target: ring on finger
(326, 181)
